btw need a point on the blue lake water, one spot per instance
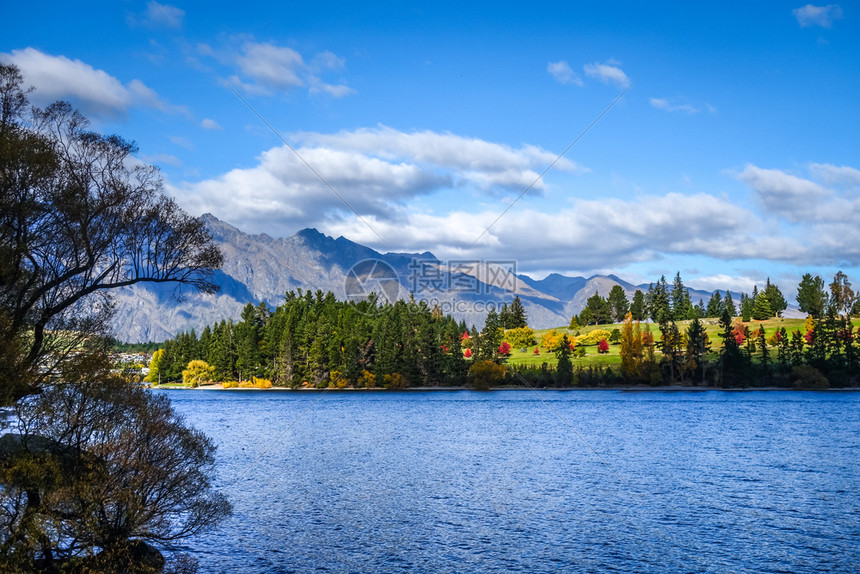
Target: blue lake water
(498, 482)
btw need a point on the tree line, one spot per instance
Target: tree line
(664, 301)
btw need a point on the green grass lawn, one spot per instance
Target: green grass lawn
(593, 358)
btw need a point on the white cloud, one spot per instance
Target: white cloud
(608, 73)
(835, 175)
(210, 124)
(158, 15)
(378, 172)
(339, 91)
(640, 230)
(562, 73)
(474, 160)
(271, 66)
(811, 15)
(327, 60)
(795, 198)
(164, 14)
(95, 92)
(668, 106)
(265, 68)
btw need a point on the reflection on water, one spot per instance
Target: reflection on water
(495, 482)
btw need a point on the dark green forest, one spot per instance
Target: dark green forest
(314, 340)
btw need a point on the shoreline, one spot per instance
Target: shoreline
(632, 388)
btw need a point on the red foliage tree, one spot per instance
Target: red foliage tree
(603, 346)
(467, 353)
(536, 351)
(505, 349)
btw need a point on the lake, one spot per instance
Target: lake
(519, 481)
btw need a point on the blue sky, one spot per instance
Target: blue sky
(732, 157)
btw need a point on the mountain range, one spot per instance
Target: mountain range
(258, 268)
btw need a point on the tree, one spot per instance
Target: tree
(841, 295)
(811, 296)
(697, 348)
(153, 375)
(599, 308)
(586, 317)
(747, 305)
(248, 337)
(96, 464)
(637, 307)
(603, 346)
(729, 305)
(197, 373)
(517, 314)
(564, 369)
(715, 305)
(680, 299)
(761, 308)
(657, 301)
(491, 336)
(774, 298)
(732, 362)
(79, 477)
(618, 304)
(78, 218)
(631, 348)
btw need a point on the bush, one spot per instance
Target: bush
(808, 377)
(593, 338)
(485, 374)
(395, 381)
(367, 379)
(262, 383)
(522, 337)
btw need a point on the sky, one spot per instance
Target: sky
(718, 140)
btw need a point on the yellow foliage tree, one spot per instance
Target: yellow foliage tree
(551, 340)
(197, 373)
(152, 377)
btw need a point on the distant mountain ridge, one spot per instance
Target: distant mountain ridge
(261, 268)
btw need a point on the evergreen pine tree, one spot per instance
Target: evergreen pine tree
(637, 306)
(729, 305)
(657, 301)
(518, 314)
(747, 305)
(774, 298)
(761, 308)
(618, 304)
(680, 299)
(505, 317)
(715, 306)
(811, 296)
(564, 369)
